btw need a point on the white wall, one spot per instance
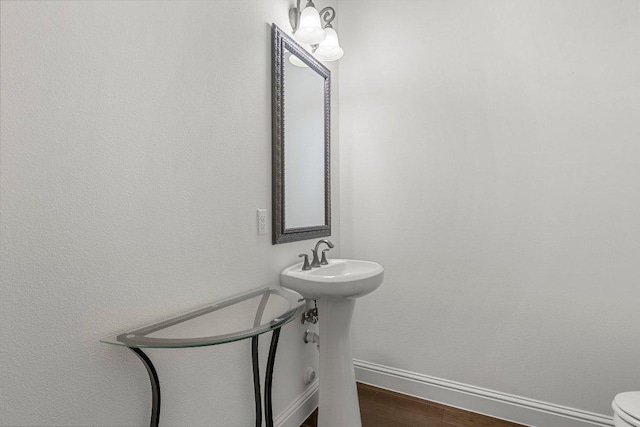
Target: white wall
(490, 160)
(136, 148)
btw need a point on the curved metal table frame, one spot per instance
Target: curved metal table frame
(268, 409)
(138, 339)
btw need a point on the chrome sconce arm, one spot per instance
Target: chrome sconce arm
(327, 14)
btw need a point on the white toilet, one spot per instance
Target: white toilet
(626, 409)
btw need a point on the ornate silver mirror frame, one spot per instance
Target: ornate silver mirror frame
(281, 44)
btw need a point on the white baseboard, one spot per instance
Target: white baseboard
(495, 404)
(300, 409)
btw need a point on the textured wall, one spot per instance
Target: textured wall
(491, 162)
(136, 148)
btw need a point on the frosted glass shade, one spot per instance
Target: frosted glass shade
(296, 61)
(329, 49)
(310, 31)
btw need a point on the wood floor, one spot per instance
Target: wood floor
(383, 408)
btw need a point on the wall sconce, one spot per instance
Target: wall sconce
(308, 29)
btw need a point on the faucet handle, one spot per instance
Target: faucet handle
(306, 265)
(324, 257)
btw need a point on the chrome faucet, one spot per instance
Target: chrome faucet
(316, 261)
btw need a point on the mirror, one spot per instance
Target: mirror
(301, 143)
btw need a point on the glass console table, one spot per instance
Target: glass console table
(243, 316)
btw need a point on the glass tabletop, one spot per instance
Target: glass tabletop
(242, 316)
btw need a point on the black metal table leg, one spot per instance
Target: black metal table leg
(155, 382)
(155, 386)
(256, 380)
(268, 409)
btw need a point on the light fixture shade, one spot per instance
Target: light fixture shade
(329, 49)
(297, 61)
(310, 31)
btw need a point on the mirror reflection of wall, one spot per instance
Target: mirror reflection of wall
(304, 153)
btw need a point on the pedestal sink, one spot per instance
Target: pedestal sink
(335, 287)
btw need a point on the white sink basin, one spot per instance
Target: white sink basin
(347, 278)
(335, 287)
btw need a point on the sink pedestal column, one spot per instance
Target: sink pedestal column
(338, 394)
